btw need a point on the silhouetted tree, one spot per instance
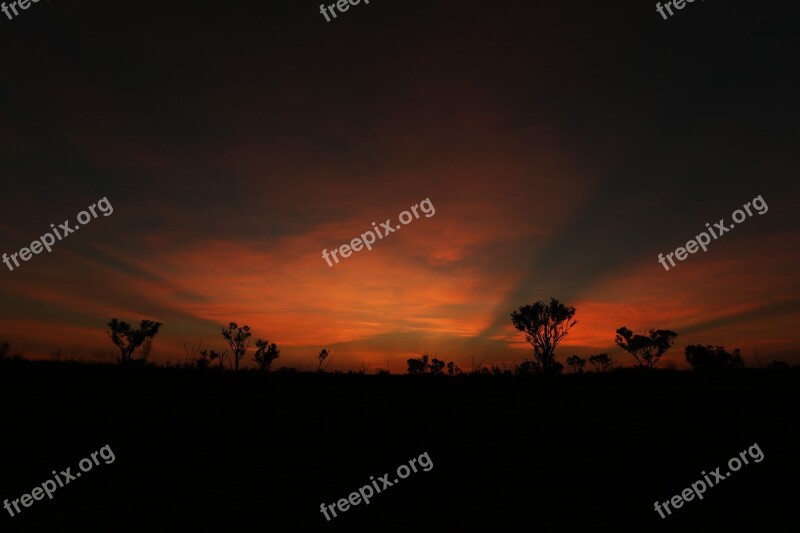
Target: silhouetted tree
(436, 366)
(452, 369)
(417, 366)
(712, 357)
(544, 326)
(601, 362)
(265, 354)
(128, 339)
(646, 349)
(576, 363)
(5, 347)
(239, 340)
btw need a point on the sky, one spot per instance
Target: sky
(563, 147)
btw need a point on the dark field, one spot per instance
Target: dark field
(214, 451)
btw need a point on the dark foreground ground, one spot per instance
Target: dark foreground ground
(210, 451)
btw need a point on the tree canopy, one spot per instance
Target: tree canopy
(544, 325)
(646, 349)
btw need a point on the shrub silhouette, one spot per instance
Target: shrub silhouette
(206, 357)
(452, 369)
(436, 366)
(418, 366)
(576, 363)
(646, 349)
(265, 354)
(778, 365)
(528, 368)
(128, 339)
(712, 358)
(601, 362)
(544, 326)
(421, 365)
(323, 355)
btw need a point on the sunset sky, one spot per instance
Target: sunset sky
(562, 151)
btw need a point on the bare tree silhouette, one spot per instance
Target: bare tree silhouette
(128, 339)
(544, 325)
(192, 351)
(646, 349)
